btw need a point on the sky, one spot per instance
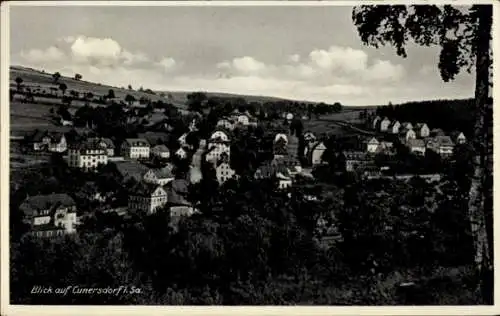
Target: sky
(294, 52)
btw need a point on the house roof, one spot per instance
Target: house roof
(144, 189)
(455, 134)
(38, 135)
(131, 169)
(137, 142)
(393, 123)
(444, 140)
(32, 205)
(420, 125)
(370, 140)
(416, 143)
(269, 169)
(223, 130)
(154, 137)
(161, 148)
(355, 155)
(437, 132)
(177, 192)
(165, 172)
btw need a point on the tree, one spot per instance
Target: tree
(129, 99)
(465, 42)
(63, 87)
(19, 82)
(78, 77)
(130, 87)
(56, 76)
(111, 94)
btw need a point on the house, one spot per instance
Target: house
(135, 148)
(87, 155)
(181, 153)
(179, 206)
(292, 163)
(220, 134)
(225, 123)
(406, 134)
(276, 171)
(50, 215)
(182, 139)
(104, 143)
(309, 137)
(243, 119)
(216, 148)
(224, 171)
(160, 151)
(407, 125)
(422, 130)
(160, 176)
(279, 136)
(384, 124)
(293, 146)
(437, 132)
(155, 138)
(416, 146)
(375, 122)
(147, 197)
(44, 140)
(66, 122)
(394, 127)
(131, 170)
(443, 145)
(371, 144)
(280, 148)
(458, 137)
(354, 160)
(316, 153)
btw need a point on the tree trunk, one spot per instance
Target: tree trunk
(476, 204)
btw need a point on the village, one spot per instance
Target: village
(159, 183)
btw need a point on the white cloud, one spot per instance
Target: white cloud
(243, 65)
(339, 58)
(167, 63)
(49, 55)
(295, 58)
(383, 69)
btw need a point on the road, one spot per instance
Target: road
(195, 174)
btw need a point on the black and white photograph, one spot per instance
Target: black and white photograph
(248, 154)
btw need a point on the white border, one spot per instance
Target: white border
(7, 309)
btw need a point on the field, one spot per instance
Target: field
(333, 124)
(29, 116)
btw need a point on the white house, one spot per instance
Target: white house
(394, 127)
(147, 197)
(277, 171)
(160, 151)
(384, 124)
(458, 137)
(224, 172)
(66, 122)
(443, 145)
(135, 148)
(182, 139)
(87, 155)
(375, 122)
(225, 123)
(219, 135)
(372, 145)
(317, 153)
(50, 215)
(309, 137)
(422, 130)
(407, 134)
(280, 136)
(416, 146)
(160, 176)
(243, 119)
(105, 143)
(181, 153)
(216, 149)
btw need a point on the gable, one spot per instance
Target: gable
(159, 192)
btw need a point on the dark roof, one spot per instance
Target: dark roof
(444, 140)
(38, 135)
(355, 155)
(270, 169)
(177, 192)
(393, 123)
(144, 189)
(286, 161)
(137, 142)
(161, 148)
(165, 172)
(455, 134)
(420, 125)
(154, 137)
(32, 205)
(90, 144)
(131, 169)
(108, 142)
